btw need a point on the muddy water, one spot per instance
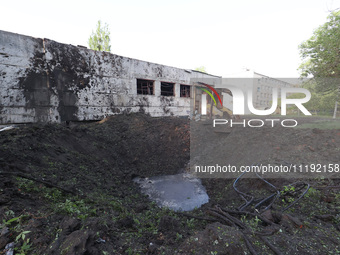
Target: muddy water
(180, 192)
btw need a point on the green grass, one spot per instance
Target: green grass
(330, 124)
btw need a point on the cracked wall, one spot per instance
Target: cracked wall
(45, 81)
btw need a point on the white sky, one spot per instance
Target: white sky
(222, 35)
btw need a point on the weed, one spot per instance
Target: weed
(76, 208)
(16, 225)
(191, 223)
(9, 213)
(178, 236)
(337, 219)
(313, 193)
(25, 247)
(288, 188)
(83, 168)
(7, 223)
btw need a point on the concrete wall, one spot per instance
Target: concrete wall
(263, 89)
(260, 85)
(45, 81)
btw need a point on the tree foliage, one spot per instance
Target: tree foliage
(321, 60)
(201, 69)
(319, 103)
(321, 52)
(100, 39)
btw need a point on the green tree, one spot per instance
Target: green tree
(320, 104)
(321, 52)
(201, 69)
(100, 39)
(321, 58)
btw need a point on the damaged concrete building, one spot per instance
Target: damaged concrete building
(45, 81)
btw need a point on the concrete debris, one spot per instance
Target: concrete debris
(7, 128)
(9, 249)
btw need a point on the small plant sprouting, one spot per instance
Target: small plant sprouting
(25, 247)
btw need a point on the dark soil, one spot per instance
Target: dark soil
(69, 190)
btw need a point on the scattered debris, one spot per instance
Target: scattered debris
(7, 128)
(9, 249)
(100, 240)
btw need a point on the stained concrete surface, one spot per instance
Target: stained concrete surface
(45, 81)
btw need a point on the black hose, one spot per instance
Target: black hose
(249, 199)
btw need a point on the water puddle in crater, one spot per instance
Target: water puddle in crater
(180, 192)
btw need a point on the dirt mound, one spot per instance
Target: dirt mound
(84, 170)
(98, 153)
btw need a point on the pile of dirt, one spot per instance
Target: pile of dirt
(98, 153)
(87, 163)
(69, 189)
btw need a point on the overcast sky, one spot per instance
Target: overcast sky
(222, 35)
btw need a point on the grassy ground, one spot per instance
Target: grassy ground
(322, 124)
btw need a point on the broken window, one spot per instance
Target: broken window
(167, 89)
(185, 90)
(145, 87)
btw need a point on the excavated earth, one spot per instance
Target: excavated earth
(70, 189)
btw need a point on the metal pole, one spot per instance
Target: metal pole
(335, 109)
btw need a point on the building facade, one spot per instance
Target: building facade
(261, 87)
(45, 81)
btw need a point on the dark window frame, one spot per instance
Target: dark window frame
(145, 87)
(185, 90)
(167, 89)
